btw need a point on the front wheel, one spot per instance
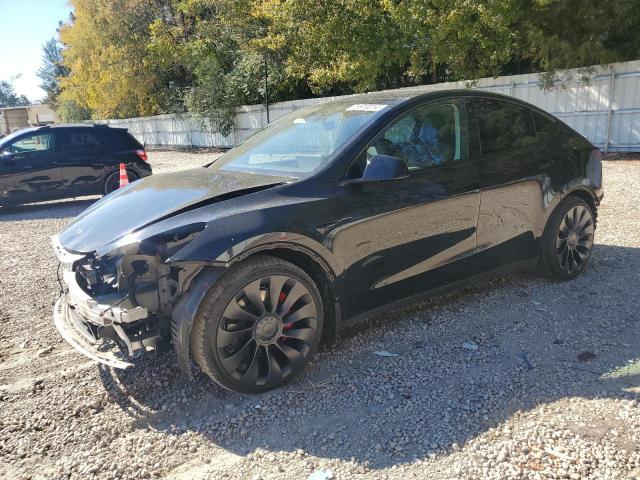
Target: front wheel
(258, 326)
(567, 240)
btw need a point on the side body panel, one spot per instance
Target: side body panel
(385, 241)
(30, 176)
(521, 186)
(378, 242)
(85, 170)
(400, 233)
(84, 166)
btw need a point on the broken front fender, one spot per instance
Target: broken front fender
(185, 310)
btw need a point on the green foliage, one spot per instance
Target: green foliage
(141, 57)
(70, 112)
(51, 71)
(338, 46)
(9, 98)
(105, 52)
(457, 39)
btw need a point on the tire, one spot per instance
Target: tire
(112, 181)
(258, 326)
(567, 240)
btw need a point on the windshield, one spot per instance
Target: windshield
(8, 138)
(300, 142)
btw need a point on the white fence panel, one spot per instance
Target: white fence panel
(606, 109)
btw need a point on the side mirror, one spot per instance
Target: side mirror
(385, 167)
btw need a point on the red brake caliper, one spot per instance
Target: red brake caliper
(286, 326)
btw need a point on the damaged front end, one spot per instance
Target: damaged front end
(117, 306)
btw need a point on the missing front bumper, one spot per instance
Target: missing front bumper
(79, 334)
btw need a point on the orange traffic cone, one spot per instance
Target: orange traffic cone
(124, 178)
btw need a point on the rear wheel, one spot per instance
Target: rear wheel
(258, 326)
(568, 239)
(112, 182)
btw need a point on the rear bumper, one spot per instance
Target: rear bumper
(143, 168)
(79, 333)
(599, 192)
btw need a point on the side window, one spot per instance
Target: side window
(79, 141)
(545, 127)
(427, 136)
(36, 142)
(503, 126)
(123, 139)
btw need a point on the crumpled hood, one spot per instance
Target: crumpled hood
(152, 199)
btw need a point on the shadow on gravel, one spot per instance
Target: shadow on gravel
(435, 394)
(49, 210)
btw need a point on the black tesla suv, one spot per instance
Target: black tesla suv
(62, 161)
(327, 216)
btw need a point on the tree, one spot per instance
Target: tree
(106, 54)
(337, 46)
(51, 71)
(218, 42)
(70, 112)
(457, 39)
(561, 34)
(9, 98)
(143, 57)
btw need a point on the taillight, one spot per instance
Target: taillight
(594, 168)
(143, 155)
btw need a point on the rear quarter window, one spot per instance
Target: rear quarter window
(503, 126)
(124, 140)
(545, 127)
(80, 140)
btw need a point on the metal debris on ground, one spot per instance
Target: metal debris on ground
(384, 353)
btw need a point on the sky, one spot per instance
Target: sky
(25, 25)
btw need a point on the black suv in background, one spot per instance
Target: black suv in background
(61, 161)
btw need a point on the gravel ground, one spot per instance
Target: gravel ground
(521, 405)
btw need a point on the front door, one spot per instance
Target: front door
(407, 236)
(29, 170)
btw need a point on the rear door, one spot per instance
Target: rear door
(407, 236)
(82, 153)
(29, 170)
(509, 171)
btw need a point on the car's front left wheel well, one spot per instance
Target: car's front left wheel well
(320, 277)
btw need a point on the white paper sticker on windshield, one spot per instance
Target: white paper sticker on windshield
(366, 107)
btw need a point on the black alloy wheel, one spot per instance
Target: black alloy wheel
(265, 332)
(568, 239)
(575, 239)
(112, 182)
